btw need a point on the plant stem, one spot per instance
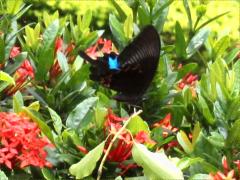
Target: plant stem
(112, 141)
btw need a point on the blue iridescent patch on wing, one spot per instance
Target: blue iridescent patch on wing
(113, 63)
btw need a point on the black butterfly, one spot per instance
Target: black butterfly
(131, 72)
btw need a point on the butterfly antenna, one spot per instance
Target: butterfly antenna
(86, 57)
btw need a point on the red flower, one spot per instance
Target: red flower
(228, 174)
(143, 137)
(82, 149)
(14, 51)
(189, 79)
(21, 144)
(22, 75)
(101, 47)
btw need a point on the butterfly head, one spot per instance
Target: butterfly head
(113, 63)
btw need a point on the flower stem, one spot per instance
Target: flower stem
(112, 141)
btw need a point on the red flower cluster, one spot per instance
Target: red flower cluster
(22, 75)
(228, 173)
(59, 46)
(20, 142)
(121, 150)
(101, 47)
(188, 79)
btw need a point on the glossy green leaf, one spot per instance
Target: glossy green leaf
(34, 106)
(180, 42)
(17, 102)
(236, 69)
(197, 41)
(57, 121)
(5, 77)
(128, 27)
(144, 19)
(155, 165)
(79, 112)
(137, 124)
(86, 19)
(189, 15)
(220, 47)
(48, 174)
(216, 139)
(122, 9)
(87, 164)
(184, 142)
(36, 117)
(46, 53)
(195, 133)
(3, 176)
(200, 176)
(2, 50)
(63, 62)
(18, 60)
(234, 135)
(205, 110)
(186, 162)
(100, 116)
(232, 55)
(117, 30)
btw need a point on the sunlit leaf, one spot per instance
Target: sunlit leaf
(85, 167)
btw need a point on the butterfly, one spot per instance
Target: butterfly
(131, 72)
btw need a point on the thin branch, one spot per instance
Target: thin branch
(112, 141)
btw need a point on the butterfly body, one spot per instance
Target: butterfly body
(131, 72)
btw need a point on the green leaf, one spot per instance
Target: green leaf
(17, 102)
(3, 176)
(48, 174)
(120, 9)
(197, 41)
(232, 55)
(180, 42)
(5, 77)
(34, 106)
(155, 165)
(2, 50)
(36, 117)
(216, 139)
(137, 124)
(86, 20)
(187, 162)
(188, 11)
(234, 135)
(205, 110)
(63, 62)
(57, 122)
(144, 19)
(184, 142)
(79, 112)
(87, 164)
(46, 53)
(117, 30)
(196, 132)
(200, 176)
(18, 60)
(220, 47)
(236, 69)
(100, 116)
(128, 27)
